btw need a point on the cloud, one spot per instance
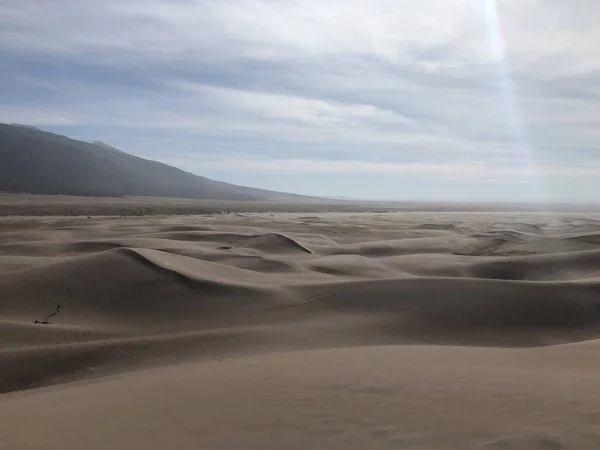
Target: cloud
(439, 88)
(256, 28)
(312, 112)
(453, 171)
(451, 33)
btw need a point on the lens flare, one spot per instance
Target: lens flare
(511, 109)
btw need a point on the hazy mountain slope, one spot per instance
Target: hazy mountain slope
(38, 162)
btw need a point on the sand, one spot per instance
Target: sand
(424, 330)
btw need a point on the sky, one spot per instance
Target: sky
(429, 100)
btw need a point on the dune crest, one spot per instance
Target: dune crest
(314, 303)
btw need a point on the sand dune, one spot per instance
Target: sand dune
(414, 330)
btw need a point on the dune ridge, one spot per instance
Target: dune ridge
(155, 279)
(124, 296)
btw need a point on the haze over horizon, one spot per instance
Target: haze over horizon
(461, 100)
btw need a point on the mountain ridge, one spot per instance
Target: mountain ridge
(40, 162)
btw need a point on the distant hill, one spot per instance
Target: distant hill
(38, 162)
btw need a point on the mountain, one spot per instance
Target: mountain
(105, 145)
(39, 162)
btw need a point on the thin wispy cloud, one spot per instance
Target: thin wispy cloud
(249, 90)
(448, 171)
